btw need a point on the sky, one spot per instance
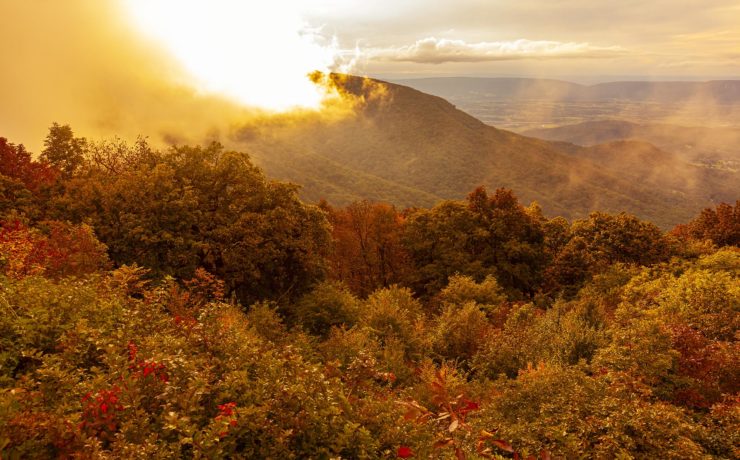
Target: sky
(174, 66)
(648, 38)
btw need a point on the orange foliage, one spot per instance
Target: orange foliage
(707, 363)
(68, 250)
(368, 253)
(16, 162)
(720, 225)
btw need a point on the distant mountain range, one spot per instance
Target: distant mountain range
(716, 92)
(524, 103)
(712, 147)
(414, 149)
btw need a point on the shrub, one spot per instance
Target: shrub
(460, 331)
(327, 305)
(393, 313)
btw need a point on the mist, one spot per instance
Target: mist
(84, 63)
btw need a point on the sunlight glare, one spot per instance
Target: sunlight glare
(257, 53)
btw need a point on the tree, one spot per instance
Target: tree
(205, 207)
(720, 225)
(511, 239)
(441, 243)
(16, 200)
(486, 235)
(367, 251)
(601, 241)
(63, 150)
(63, 250)
(329, 304)
(463, 289)
(16, 163)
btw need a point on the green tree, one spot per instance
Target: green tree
(621, 238)
(440, 242)
(329, 304)
(486, 235)
(63, 150)
(511, 239)
(205, 207)
(601, 241)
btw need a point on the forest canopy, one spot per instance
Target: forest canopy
(178, 304)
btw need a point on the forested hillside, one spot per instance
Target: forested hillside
(411, 149)
(178, 304)
(717, 148)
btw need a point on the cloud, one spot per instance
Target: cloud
(432, 50)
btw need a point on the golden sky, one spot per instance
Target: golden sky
(170, 66)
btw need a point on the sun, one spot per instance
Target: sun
(256, 53)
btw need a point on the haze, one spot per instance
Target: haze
(132, 67)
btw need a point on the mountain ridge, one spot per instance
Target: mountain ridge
(716, 91)
(414, 142)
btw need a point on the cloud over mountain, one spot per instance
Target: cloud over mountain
(433, 50)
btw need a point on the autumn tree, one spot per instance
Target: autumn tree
(367, 251)
(56, 250)
(721, 225)
(24, 183)
(16, 163)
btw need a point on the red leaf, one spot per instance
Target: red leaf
(503, 445)
(471, 405)
(405, 452)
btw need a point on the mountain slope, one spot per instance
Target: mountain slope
(717, 147)
(411, 148)
(644, 163)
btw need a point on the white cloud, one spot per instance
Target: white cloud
(437, 51)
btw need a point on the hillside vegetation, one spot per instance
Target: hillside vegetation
(412, 149)
(717, 148)
(179, 304)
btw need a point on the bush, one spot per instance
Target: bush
(573, 415)
(393, 314)
(459, 332)
(329, 304)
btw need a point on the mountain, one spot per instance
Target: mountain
(524, 103)
(645, 163)
(712, 147)
(716, 92)
(412, 149)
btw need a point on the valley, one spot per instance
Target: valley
(520, 104)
